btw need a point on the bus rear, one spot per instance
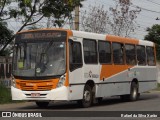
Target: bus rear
(40, 66)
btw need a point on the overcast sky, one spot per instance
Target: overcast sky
(146, 18)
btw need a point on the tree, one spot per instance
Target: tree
(119, 20)
(95, 20)
(154, 36)
(30, 12)
(122, 20)
(5, 36)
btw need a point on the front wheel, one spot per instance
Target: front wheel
(42, 104)
(87, 97)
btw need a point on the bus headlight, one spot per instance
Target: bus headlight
(13, 82)
(61, 81)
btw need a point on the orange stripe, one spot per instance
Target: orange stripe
(37, 84)
(58, 29)
(69, 34)
(110, 70)
(121, 39)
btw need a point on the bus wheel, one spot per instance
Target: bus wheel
(134, 92)
(87, 97)
(99, 100)
(42, 104)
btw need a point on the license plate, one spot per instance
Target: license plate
(35, 94)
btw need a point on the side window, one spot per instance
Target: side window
(150, 56)
(104, 49)
(90, 51)
(141, 55)
(75, 55)
(130, 54)
(118, 55)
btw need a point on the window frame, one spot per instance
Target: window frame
(80, 64)
(111, 61)
(153, 55)
(96, 51)
(135, 56)
(122, 52)
(145, 55)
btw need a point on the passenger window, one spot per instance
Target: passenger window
(141, 55)
(104, 49)
(130, 54)
(150, 56)
(118, 55)
(90, 51)
(75, 55)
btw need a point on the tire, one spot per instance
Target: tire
(133, 96)
(99, 100)
(134, 92)
(42, 104)
(87, 97)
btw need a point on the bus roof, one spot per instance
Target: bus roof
(89, 35)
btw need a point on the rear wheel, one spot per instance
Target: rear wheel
(42, 104)
(134, 95)
(134, 92)
(87, 97)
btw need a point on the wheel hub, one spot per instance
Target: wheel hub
(87, 96)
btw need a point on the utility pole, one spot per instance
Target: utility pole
(76, 18)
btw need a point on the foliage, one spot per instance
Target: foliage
(5, 94)
(119, 20)
(30, 12)
(5, 36)
(154, 36)
(95, 20)
(122, 20)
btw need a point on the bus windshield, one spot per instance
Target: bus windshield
(39, 59)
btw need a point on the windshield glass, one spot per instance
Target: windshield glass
(39, 59)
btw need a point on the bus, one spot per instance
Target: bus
(68, 65)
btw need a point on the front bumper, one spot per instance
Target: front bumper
(55, 94)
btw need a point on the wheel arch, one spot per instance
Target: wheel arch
(135, 80)
(91, 83)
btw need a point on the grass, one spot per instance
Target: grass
(5, 95)
(158, 87)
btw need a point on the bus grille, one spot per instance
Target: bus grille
(40, 85)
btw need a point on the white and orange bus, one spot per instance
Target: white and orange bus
(58, 64)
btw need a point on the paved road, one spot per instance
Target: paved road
(148, 102)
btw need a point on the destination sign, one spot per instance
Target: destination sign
(41, 35)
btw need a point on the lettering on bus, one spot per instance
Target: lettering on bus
(91, 75)
(40, 35)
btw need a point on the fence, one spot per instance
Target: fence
(5, 71)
